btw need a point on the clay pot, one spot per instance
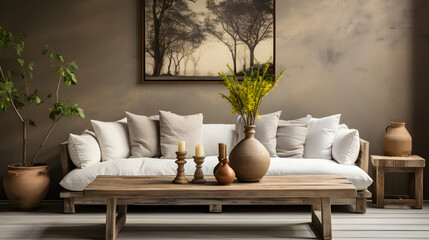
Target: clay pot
(397, 140)
(26, 187)
(249, 158)
(225, 175)
(217, 166)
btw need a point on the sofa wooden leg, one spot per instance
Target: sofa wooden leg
(215, 208)
(361, 205)
(69, 205)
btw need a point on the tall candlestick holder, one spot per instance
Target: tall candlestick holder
(198, 175)
(180, 177)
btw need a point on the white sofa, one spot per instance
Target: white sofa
(76, 179)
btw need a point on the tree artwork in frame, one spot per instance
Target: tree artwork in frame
(194, 40)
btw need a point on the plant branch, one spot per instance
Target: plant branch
(11, 100)
(24, 124)
(44, 140)
(58, 87)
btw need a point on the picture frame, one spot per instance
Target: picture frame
(192, 41)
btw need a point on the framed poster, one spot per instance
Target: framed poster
(193, 40)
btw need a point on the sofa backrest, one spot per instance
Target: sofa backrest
(218, 133)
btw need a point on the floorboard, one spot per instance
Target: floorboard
(194, 222)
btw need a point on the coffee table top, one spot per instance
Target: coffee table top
(270, 186)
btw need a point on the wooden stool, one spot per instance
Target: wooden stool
(412, 164)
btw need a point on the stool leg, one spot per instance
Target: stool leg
(412, 182)
(380, 187)
(418, 188)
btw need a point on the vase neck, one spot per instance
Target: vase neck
(249, 131)
(397, 124)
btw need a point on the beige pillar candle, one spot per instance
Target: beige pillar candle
(182, 146)
(199, 150)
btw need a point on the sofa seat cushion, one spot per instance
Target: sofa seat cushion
(78, 179)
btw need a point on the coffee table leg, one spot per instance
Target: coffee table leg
(111, 219)
(114, 222)
(321, 218)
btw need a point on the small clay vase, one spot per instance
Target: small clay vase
(225, 175)
(397, 140)
(249, 158)
(217, 166)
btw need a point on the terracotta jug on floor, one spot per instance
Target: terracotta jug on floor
(26, 187)
(397, 140)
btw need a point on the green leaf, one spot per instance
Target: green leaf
(51, 56)
(31, 65)
(44, 51)
(31, 75)
(20, 61)
(73, 65)
(31, 123)
(38, 100)
(60, 57)
(49, 95)
(53, 116)
(80, 112)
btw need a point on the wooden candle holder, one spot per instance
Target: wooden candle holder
(198, 175)
(180, 177)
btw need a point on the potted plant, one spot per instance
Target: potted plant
(27, 183)
(249, 158)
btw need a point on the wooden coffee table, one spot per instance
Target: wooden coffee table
(316, 190)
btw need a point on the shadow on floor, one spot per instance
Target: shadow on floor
(178, 231)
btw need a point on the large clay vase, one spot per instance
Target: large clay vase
(249, 159)
(397, 140)
(26, 187)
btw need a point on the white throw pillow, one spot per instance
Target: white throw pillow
(113, 139)
(346, 146)
(175, 128)
(291, 137)
(213, 134)
(83, 149)
(320, 137)
(266, 130)
(144, 135)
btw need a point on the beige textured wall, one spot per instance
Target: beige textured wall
(351, 57)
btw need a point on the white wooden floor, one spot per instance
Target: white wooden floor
(236, 222)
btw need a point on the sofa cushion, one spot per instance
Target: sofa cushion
(291, 137)
(218, 133)
(266, 130)
(144, 135)
(346, 146)
(112, 138)
(320, 137)
(175, 128)
(83, 149)
(78, 179)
